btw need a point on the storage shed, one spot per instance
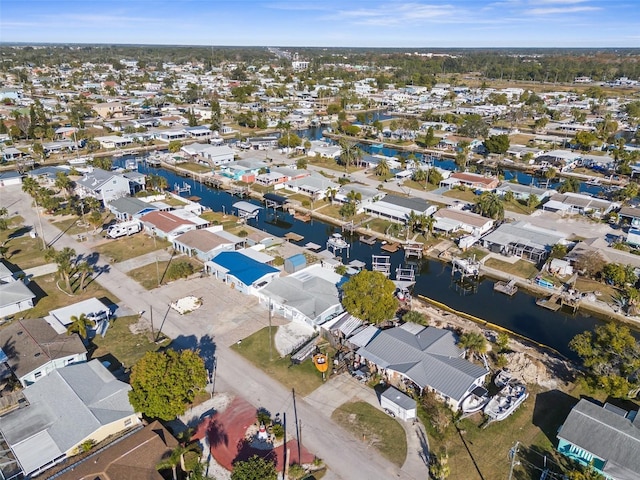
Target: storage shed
(295, 263)
(398, 403)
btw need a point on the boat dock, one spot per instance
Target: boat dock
(303, 217)
(551, 303)
(508, 288)
(293, 237)
(371, 240)
(413, 250)
(390, 247)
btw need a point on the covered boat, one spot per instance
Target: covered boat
(502, 378)
(475, 401)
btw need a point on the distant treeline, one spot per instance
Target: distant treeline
(537, 65)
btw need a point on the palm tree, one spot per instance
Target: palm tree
(29, 185)
(489, 205)
(351, 153)
(85, 270)
(428, 223)
(382, 169)
(63, 183)
(331, 193)
(473, 342)
(421, 175)
(79, 324)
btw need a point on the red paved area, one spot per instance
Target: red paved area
(226, 434)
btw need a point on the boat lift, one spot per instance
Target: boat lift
(246, 211)
(381, 263)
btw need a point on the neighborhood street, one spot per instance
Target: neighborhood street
(237, 316)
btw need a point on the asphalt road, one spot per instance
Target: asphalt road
(346, 457)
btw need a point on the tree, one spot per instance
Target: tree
(502, 341)
(473, 342)
(216, 116)
(420, 175)
(590, 263)
(157, 182)
(412, 316)
(474, 126)
(95, 219)
(489, 205)
(611, 355)
(29, 185)
(497, 144)
(430, 140)
(85, 269)
(382, 169)
(175, 146)
(256, 468)
(79, 324)
(289, 140)
(368, 295)
(570, 184)
(63, 183)
(350, 153)
(164, 383)
(558, 251)
(65, 259)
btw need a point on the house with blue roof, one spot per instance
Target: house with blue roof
(240, 271)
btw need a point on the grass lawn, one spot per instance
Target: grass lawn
(123, 345)
(331, 164)
(608, 292)
(476, 252)
(304, 377)
(333, 211)
(379, 225)
(124, 248)
(517, 207)
(23, 251)
(374, 427)
(194, 167)
(419, 186)
(49, 296)
(465, 195)
(219, 218)
(149, 275)
(303, 199)
(173, 201)
(521, 268)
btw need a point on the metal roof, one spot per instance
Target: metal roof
(397, 397)
(244, 268)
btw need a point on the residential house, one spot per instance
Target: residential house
(607, 252)
(630, 215)
(95, 311)
(427, 358)
(46, 176)
(324, 150)
(564, 159)
(11, 154)
(605, 438)
(10, 178)
(310, 295)
(474, 181)
(366, 195)
(137, 181)
(572, 203)
(523, 192)
(171, 135)
(34, 349)
(243, 170)
(129, 208)
(452, 220)
(241, 272)
(15, 295)
(524, 240)
(206, 243)
(109, 109)
(398, 209)
(213, 154)
(68, 407)
(314, 185)
(200, 131)
(279, 176)
(114, 141)
(135, 457)
(102, 185)
(166, 225)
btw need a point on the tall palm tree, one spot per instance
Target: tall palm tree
(351, 153)
(85, 270)
(473, 342)
(420, 175)
(29, 185)
(428, 223)
(489, 205)
(63, 183)
(382, 169)
(79, 324)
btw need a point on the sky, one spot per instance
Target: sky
(326, 23)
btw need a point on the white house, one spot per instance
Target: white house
(15, 295)
(102, 185)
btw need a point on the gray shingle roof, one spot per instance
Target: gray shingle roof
(130, 205)
(606, 435)
(429, 357)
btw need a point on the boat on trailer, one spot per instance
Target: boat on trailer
(475, 401)
(502, 378)
(505, 402)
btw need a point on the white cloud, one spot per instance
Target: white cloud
(560, 10)
(556, 2)
(401, 14)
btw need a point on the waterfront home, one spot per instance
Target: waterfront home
(241, 272)
(37, 349)
(523, 192)
(10, 154)
(166, 224)
(171, 135)
(68, 407)
(102, 185)
(426, 358)
(630, 215)
(519, 151)
(564, 159)
(608, 253)
(10, 178)
(524, 240)
(109, 109)
(137, 181)
(324, 150)
(133, 457)
(200, 131)
(309, 295)
(113, 141)
(212, 154)
(46, 176)
(129, 208)
(471, 180)
(206, 243)
(314, 185)
(452, 220)
(367, 195)
(572, 203)
(605, 438)
(398, 209)
(243, 170)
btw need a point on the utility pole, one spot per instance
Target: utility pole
(153, 335)
(270, 339)
(295, 414)
(513, 453)
(44, 243)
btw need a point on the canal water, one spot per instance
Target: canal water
(434, 280)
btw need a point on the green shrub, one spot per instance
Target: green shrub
(179, 270)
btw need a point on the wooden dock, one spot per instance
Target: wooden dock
(552, 303)
(370, 240)
(390, 247)
(303, 217)
(508, 288)
(293, 237)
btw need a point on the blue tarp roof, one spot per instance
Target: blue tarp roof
(297, 259)
(245, 269)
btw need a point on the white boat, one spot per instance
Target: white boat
(475, 401)
(502, 378)
(337, 241)
(505, 402)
